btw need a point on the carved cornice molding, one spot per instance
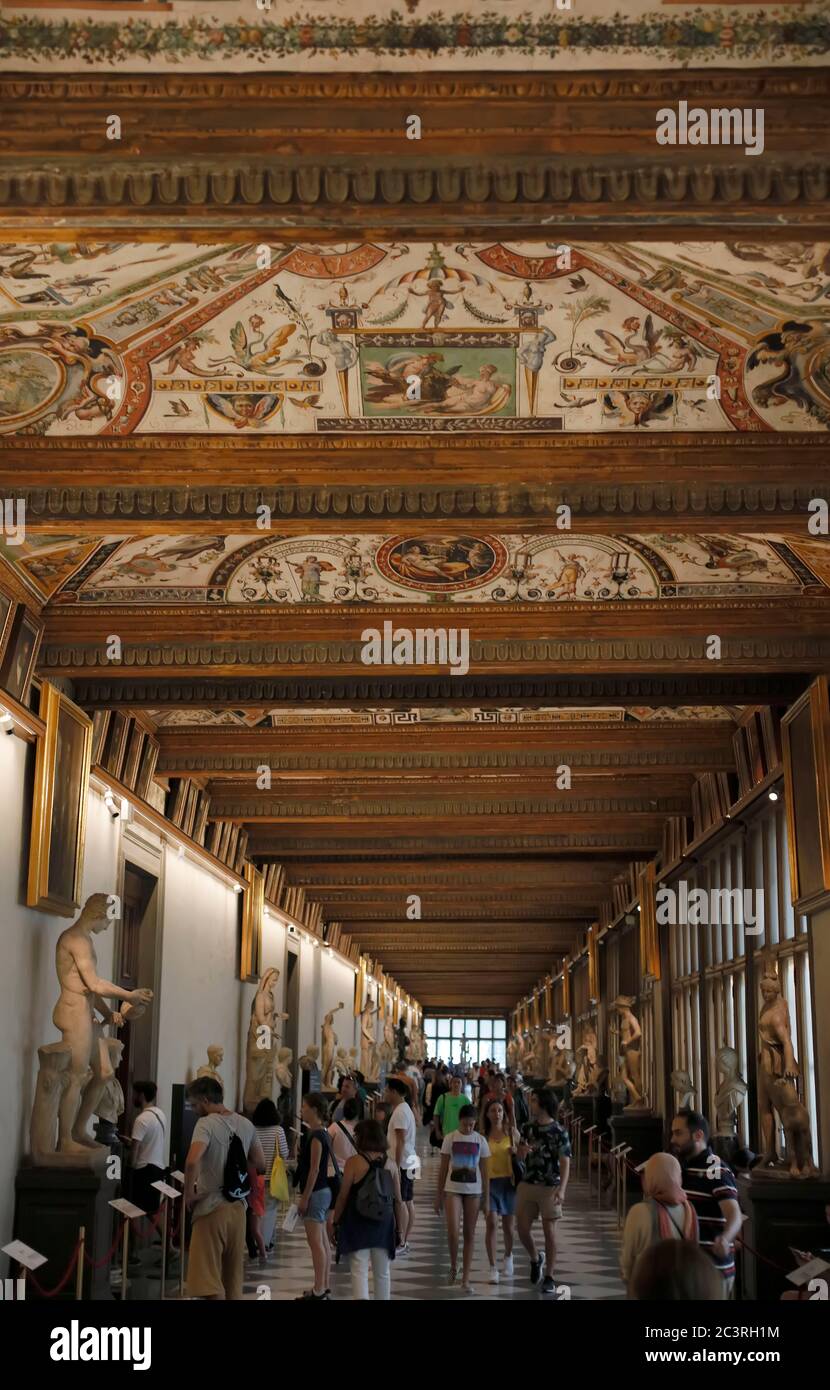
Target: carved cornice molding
(532, 87)
(350, 505)
(260, 848)
(565, 805)
(420, 185)
(438, 761)
(690, 687)
(807, 653)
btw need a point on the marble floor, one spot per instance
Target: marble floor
(586, 1267)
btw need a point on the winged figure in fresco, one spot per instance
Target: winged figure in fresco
(667, 347)
(258, 353)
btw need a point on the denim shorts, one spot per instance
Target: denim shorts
(318, 1204)
(502, 1196)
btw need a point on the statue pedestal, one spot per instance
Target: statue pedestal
(643, 1131)
(781, 1211)
(51, 1204)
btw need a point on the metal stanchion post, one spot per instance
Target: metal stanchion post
(125, 1253)
(615, 1154)
(626, 1151)
(578, 1128)
(599, 1172)
(79, 1272)
(590, 1133)
(163, 1244)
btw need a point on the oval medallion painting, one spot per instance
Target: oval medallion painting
(441, 564)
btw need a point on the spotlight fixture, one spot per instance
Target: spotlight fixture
(109, 802)
(773, 796)
(180, 852)
(6, 722)
(237, 888)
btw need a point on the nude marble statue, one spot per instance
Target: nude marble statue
(778, 1077)
(82, 991)
(684, 1086)
(630, 1043)
(329, 1044)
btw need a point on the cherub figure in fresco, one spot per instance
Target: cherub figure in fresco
(437, 304)
(311, 573)
(180, 358)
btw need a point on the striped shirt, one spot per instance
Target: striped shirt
(708, 1181)
(269, 1137)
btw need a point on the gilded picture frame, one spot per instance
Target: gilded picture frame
(805, 734)
(63, 759)
(253, 907)
(18, 652)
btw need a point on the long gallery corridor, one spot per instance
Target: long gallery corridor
(587, 1254)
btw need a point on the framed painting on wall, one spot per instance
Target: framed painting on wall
(20, 655)
(62, 765)
(805, 730)
(7, 607)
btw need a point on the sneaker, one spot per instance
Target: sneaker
(453, 1275)
(508, 1267)
(494, 1275)
(548, 1284)
(311, 1297)
(404, 1249)
(537, 1269)
(467, 1289)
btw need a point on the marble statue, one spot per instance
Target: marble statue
(342, 1064)
(513, 1053)
(329, 1044)
(778, 1076)
(630, 1036)
(83, 1078)
(216, 1056)
(563, 1066)
(416, 1050)
(401, 1043)
(386, 1049)
(368, 1046)
(729, 1098)
(684, 1086)
(281, 1071)
(309, 1061)
(587, 1067)
(261, 1047)
(545, 1046)
(52, 1080)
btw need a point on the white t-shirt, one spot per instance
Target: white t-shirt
(342, 1147)
(402, 1118)
(466, 1152)
(149, 1138)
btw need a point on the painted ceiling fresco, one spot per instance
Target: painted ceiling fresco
(426, 569)
(409, 35)
(119, 338)
(402, 718)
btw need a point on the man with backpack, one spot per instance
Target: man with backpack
(217, 1185)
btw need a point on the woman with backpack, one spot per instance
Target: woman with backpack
(368, 1210)
(665, 1213)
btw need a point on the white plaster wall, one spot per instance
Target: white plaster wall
(200, 999)
(28, 984)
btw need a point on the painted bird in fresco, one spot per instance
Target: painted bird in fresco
(258, 353)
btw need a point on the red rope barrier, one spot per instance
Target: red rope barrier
(61, 1285)
(98, 1264)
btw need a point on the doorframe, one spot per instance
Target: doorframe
(147, 854)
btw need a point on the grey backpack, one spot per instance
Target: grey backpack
(375, 1193)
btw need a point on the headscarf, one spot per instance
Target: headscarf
(662, 1183)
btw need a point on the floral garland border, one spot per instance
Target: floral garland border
(696, 36)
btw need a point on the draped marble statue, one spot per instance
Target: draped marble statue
(329, 1044)
(262, 1043)
(630, 1038)
(368, 1044)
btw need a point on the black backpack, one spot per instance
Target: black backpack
(374, 1195)
(236, 1181)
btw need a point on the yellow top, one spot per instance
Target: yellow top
(499, 1164)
